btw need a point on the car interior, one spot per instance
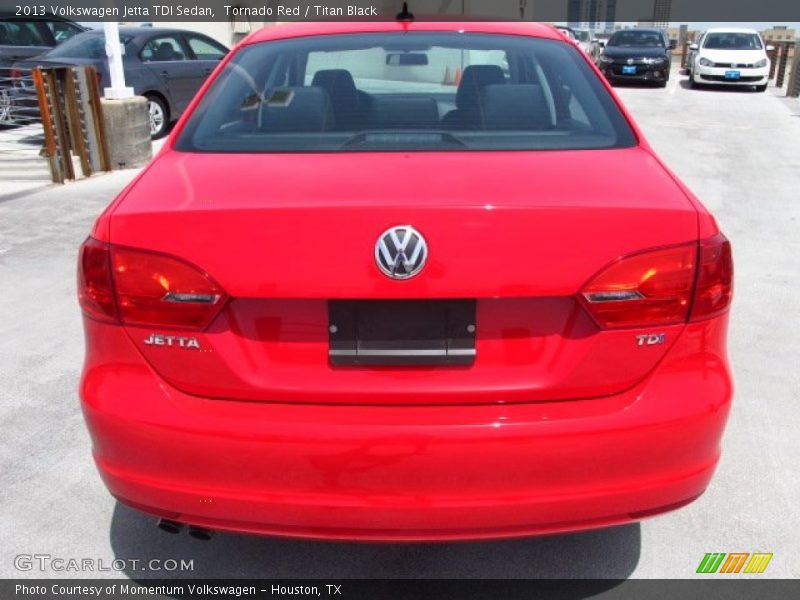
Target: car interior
(636, 38)
(732, 41)
(161, 50)
(20, 34)
(382, 99)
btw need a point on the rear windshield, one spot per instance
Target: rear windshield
(86, 45)
(632, 38)
(732, 41)
(405, 92)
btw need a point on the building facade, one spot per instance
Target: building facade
(592, 14)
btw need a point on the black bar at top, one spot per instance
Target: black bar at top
(620, 11)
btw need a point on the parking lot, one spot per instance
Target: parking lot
(739, 151)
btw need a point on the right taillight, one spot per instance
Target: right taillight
(139, 287)
(664, 286)
(714, 288)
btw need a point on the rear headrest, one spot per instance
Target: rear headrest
(339, 84)
(475, 77)
(404, 113)
(305, 109)
(515, 106)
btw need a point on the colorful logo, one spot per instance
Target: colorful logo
(736, 562)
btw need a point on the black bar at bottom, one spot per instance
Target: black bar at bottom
(702, 587)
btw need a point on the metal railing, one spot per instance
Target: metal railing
(793, 89)
(18, 99)
(21, 132)
(54, 113)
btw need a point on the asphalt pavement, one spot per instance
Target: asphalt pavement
(740, 153)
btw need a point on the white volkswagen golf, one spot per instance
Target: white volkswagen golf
(730, 57)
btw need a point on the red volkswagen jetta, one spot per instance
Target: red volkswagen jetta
(405, 281)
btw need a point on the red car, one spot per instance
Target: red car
(405, 281)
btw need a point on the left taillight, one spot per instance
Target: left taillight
(139, 287)
(95, 287)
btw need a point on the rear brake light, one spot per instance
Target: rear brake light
(714, 288)
(95, 291)
(147, 288)
(650, 288)
(155, 289)
(660, 287)
(15, 74)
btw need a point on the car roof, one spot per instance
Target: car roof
(294, 30)
(11, 16)
(644, 29)
(140, 31)
(730, 30)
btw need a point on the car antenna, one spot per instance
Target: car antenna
(405, 15)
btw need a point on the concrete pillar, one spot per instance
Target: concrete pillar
(127, 129)
(114, 52)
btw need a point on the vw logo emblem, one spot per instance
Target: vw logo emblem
(734, 65)
(630, 61)
(401, 252)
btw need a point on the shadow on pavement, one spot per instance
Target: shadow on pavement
(611, 553)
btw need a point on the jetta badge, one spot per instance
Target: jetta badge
(401, 252)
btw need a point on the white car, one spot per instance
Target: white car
(585, 39)
(730, 57)
(570, 34)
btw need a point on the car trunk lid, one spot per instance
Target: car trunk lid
(518, 232)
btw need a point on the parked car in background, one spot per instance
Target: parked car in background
(598, 43)
(167, 66)
(585, 39)
(637, 54)
(570, 33)
(482, 353)
(23, 37)
(691, 51)
(736, 57)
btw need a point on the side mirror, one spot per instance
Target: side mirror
(694, 47)
(673, 44)
(770, 48)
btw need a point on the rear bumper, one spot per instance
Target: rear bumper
(407, 473)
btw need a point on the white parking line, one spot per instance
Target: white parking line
(675, 83)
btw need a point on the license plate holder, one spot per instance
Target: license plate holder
(734, 75)
(401, 332)
(629, 70)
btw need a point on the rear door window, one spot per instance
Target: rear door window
(62, 30)
(163, 49)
